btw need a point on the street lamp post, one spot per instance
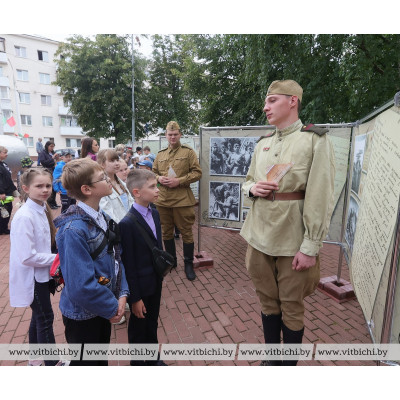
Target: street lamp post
(133, 97)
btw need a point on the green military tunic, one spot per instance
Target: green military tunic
(282, 228)
(185, 164)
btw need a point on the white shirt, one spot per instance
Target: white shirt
(30, 252)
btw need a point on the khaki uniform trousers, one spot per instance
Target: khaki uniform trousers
(182, 217)
(279, 288)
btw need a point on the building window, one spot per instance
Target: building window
(28, 141)
(67, 103)
(4, 92)
(111, 143)
(1, 71)
(24, 98)
(22, 75)
(2, 45)
(73, 142)
(20, 51)
(7, 114)
(45, 100)
(47, 121)
(44, 78)
(69, 121)
(48, 139)
(43, 56)
(26, 120)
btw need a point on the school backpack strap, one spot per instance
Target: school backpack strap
(103, 244)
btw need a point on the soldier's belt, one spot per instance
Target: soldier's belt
(286, 196)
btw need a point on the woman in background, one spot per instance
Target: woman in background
(90, 148)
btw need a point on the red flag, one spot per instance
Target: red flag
(26, 135)
(11, 121)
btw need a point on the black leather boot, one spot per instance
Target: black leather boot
(291, 337)
(188, 250)
(272, 334)
(170, 248)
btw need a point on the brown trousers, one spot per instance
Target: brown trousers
(182, 217)
(279, 288)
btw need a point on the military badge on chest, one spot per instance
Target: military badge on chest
(266, 148)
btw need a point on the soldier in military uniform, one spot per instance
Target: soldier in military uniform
(176, 167)
(288, 220)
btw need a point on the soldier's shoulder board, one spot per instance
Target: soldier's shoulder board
(314, 129)
(266, 136)
(166, 148)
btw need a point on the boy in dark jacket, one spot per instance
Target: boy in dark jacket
(144, 284)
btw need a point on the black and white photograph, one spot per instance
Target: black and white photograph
(231, 156)
(358, 157)
(244, 213)
(224, 200)
(351, 223)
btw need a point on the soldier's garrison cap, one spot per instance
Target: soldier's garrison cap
(287, 87)
(173, 126)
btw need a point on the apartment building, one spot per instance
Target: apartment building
(27, 94)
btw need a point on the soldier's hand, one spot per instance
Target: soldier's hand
(163, 180)
(171, 182)
(302, 261)
(263, 188)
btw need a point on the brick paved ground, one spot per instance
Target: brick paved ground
(220, 306)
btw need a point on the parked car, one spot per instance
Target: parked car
(70, 151)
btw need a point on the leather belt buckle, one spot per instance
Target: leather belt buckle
(273, 195)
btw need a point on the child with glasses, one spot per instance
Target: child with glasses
(95, 289)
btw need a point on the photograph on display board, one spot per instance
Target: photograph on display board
(359, 148)
(351, 224)
(231, 156)
(224, 200)
(244, 213)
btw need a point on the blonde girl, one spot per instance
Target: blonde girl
(32, 236)
(123, 170)
(118, 203)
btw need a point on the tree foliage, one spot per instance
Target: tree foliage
(168, 97)
(95, 76)
(221, 80)
(344, 77)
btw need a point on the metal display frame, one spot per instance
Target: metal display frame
(344, 250)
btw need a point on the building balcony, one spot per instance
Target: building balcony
(3, 58)
(5, 104)
(71, 131)
(4, 81)
(63, 110)
(8, 129)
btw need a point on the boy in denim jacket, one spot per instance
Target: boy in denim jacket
(144, 285)
(95, 291)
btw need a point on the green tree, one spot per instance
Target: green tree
(96, 77)
(344, 77)
(168, 97)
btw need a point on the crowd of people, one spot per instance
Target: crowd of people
(110, 269)
(110, 196)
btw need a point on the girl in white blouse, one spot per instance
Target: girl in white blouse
(118, 203)
(32, 236)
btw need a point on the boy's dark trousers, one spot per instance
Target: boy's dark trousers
(93, 330)
(144, 330)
